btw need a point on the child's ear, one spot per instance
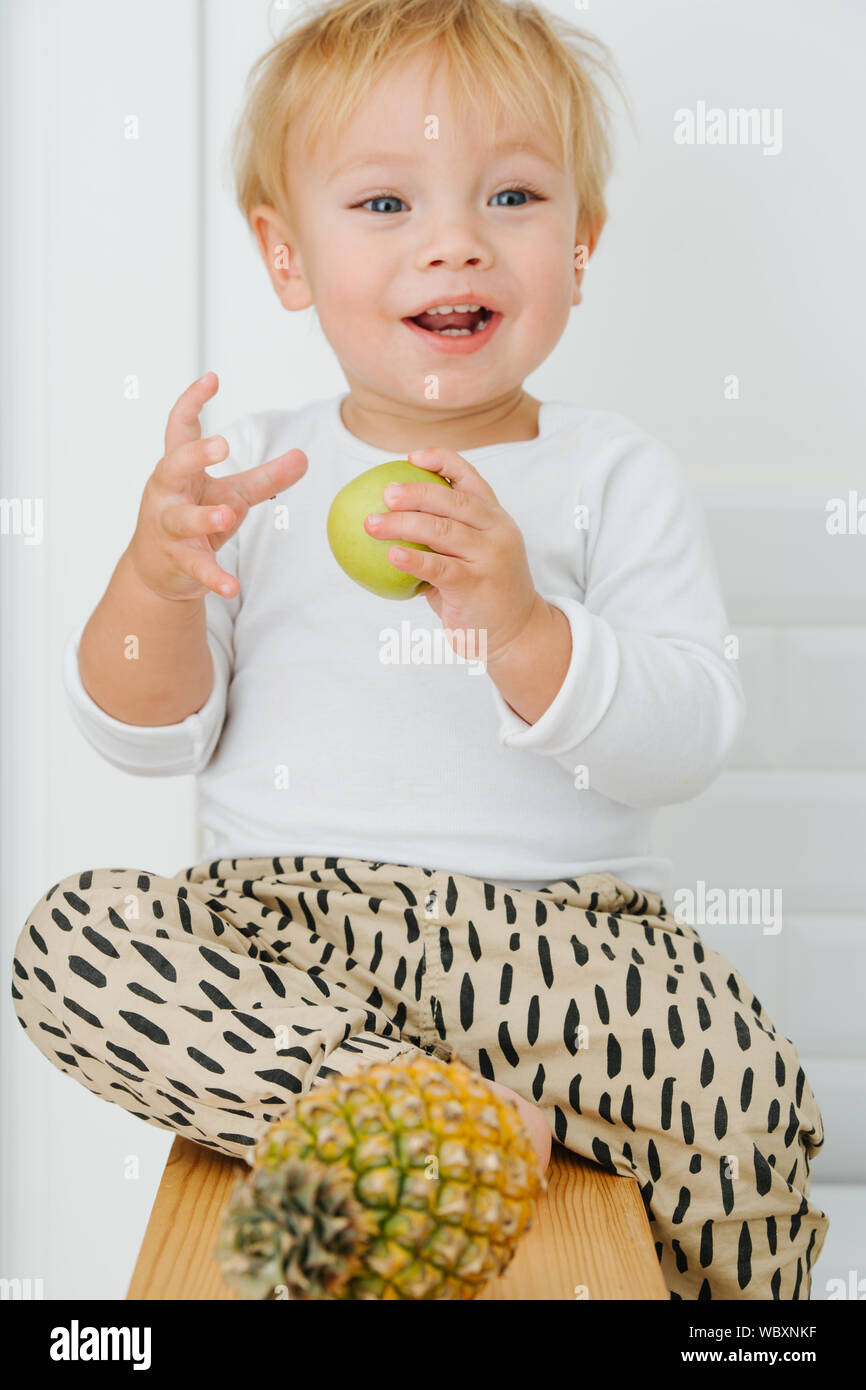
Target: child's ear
(587, 237)
(281, 258)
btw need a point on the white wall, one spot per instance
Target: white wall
(100, 259)
(126, 257)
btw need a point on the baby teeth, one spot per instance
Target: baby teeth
(454, 308)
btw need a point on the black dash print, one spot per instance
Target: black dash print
(446, 950)
(156, 959)
(96, 939)
(203, 1060)
(219, 962)
(533, 1020)
(706, 1252)
(544, 961)
(744, 1037)
(632, 990)
(688, 1122)
(131, 1058)
(581, 954)
(146, 1026)
(667, 1101)
(85, 971)
(626, 1110)
(744, 1257)
(505, 981)
(450, 896)
(601, 1154)
(254, 1024)
(216, 996)
(708, 1067)
(509, 1051)
(682, 1206)
(601, 1005)
(274, 981)
(472, 939)
(485, 1066)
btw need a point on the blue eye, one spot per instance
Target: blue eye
(507, 192)
(383, 198)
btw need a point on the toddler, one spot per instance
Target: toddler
(429, 853)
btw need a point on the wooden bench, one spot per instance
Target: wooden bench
(591, 1236)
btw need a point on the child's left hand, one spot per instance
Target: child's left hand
(477, 561)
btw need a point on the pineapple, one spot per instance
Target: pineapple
(412, 1179)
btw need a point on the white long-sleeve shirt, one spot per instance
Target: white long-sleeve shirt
(342, 723)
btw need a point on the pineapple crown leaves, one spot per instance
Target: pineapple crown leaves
(297, 1227)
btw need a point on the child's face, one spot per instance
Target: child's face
(390, 221)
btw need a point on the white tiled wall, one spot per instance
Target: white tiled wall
(790, 810)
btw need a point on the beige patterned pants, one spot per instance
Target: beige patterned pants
(203, 1002)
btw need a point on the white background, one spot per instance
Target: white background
(124, 257)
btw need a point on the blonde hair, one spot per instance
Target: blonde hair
(499, 52)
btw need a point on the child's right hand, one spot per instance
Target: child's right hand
(185, 515)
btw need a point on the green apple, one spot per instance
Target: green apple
(365, 557)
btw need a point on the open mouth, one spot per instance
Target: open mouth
(454, 321)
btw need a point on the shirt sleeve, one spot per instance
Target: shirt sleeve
(651, 704)
(169, 750)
